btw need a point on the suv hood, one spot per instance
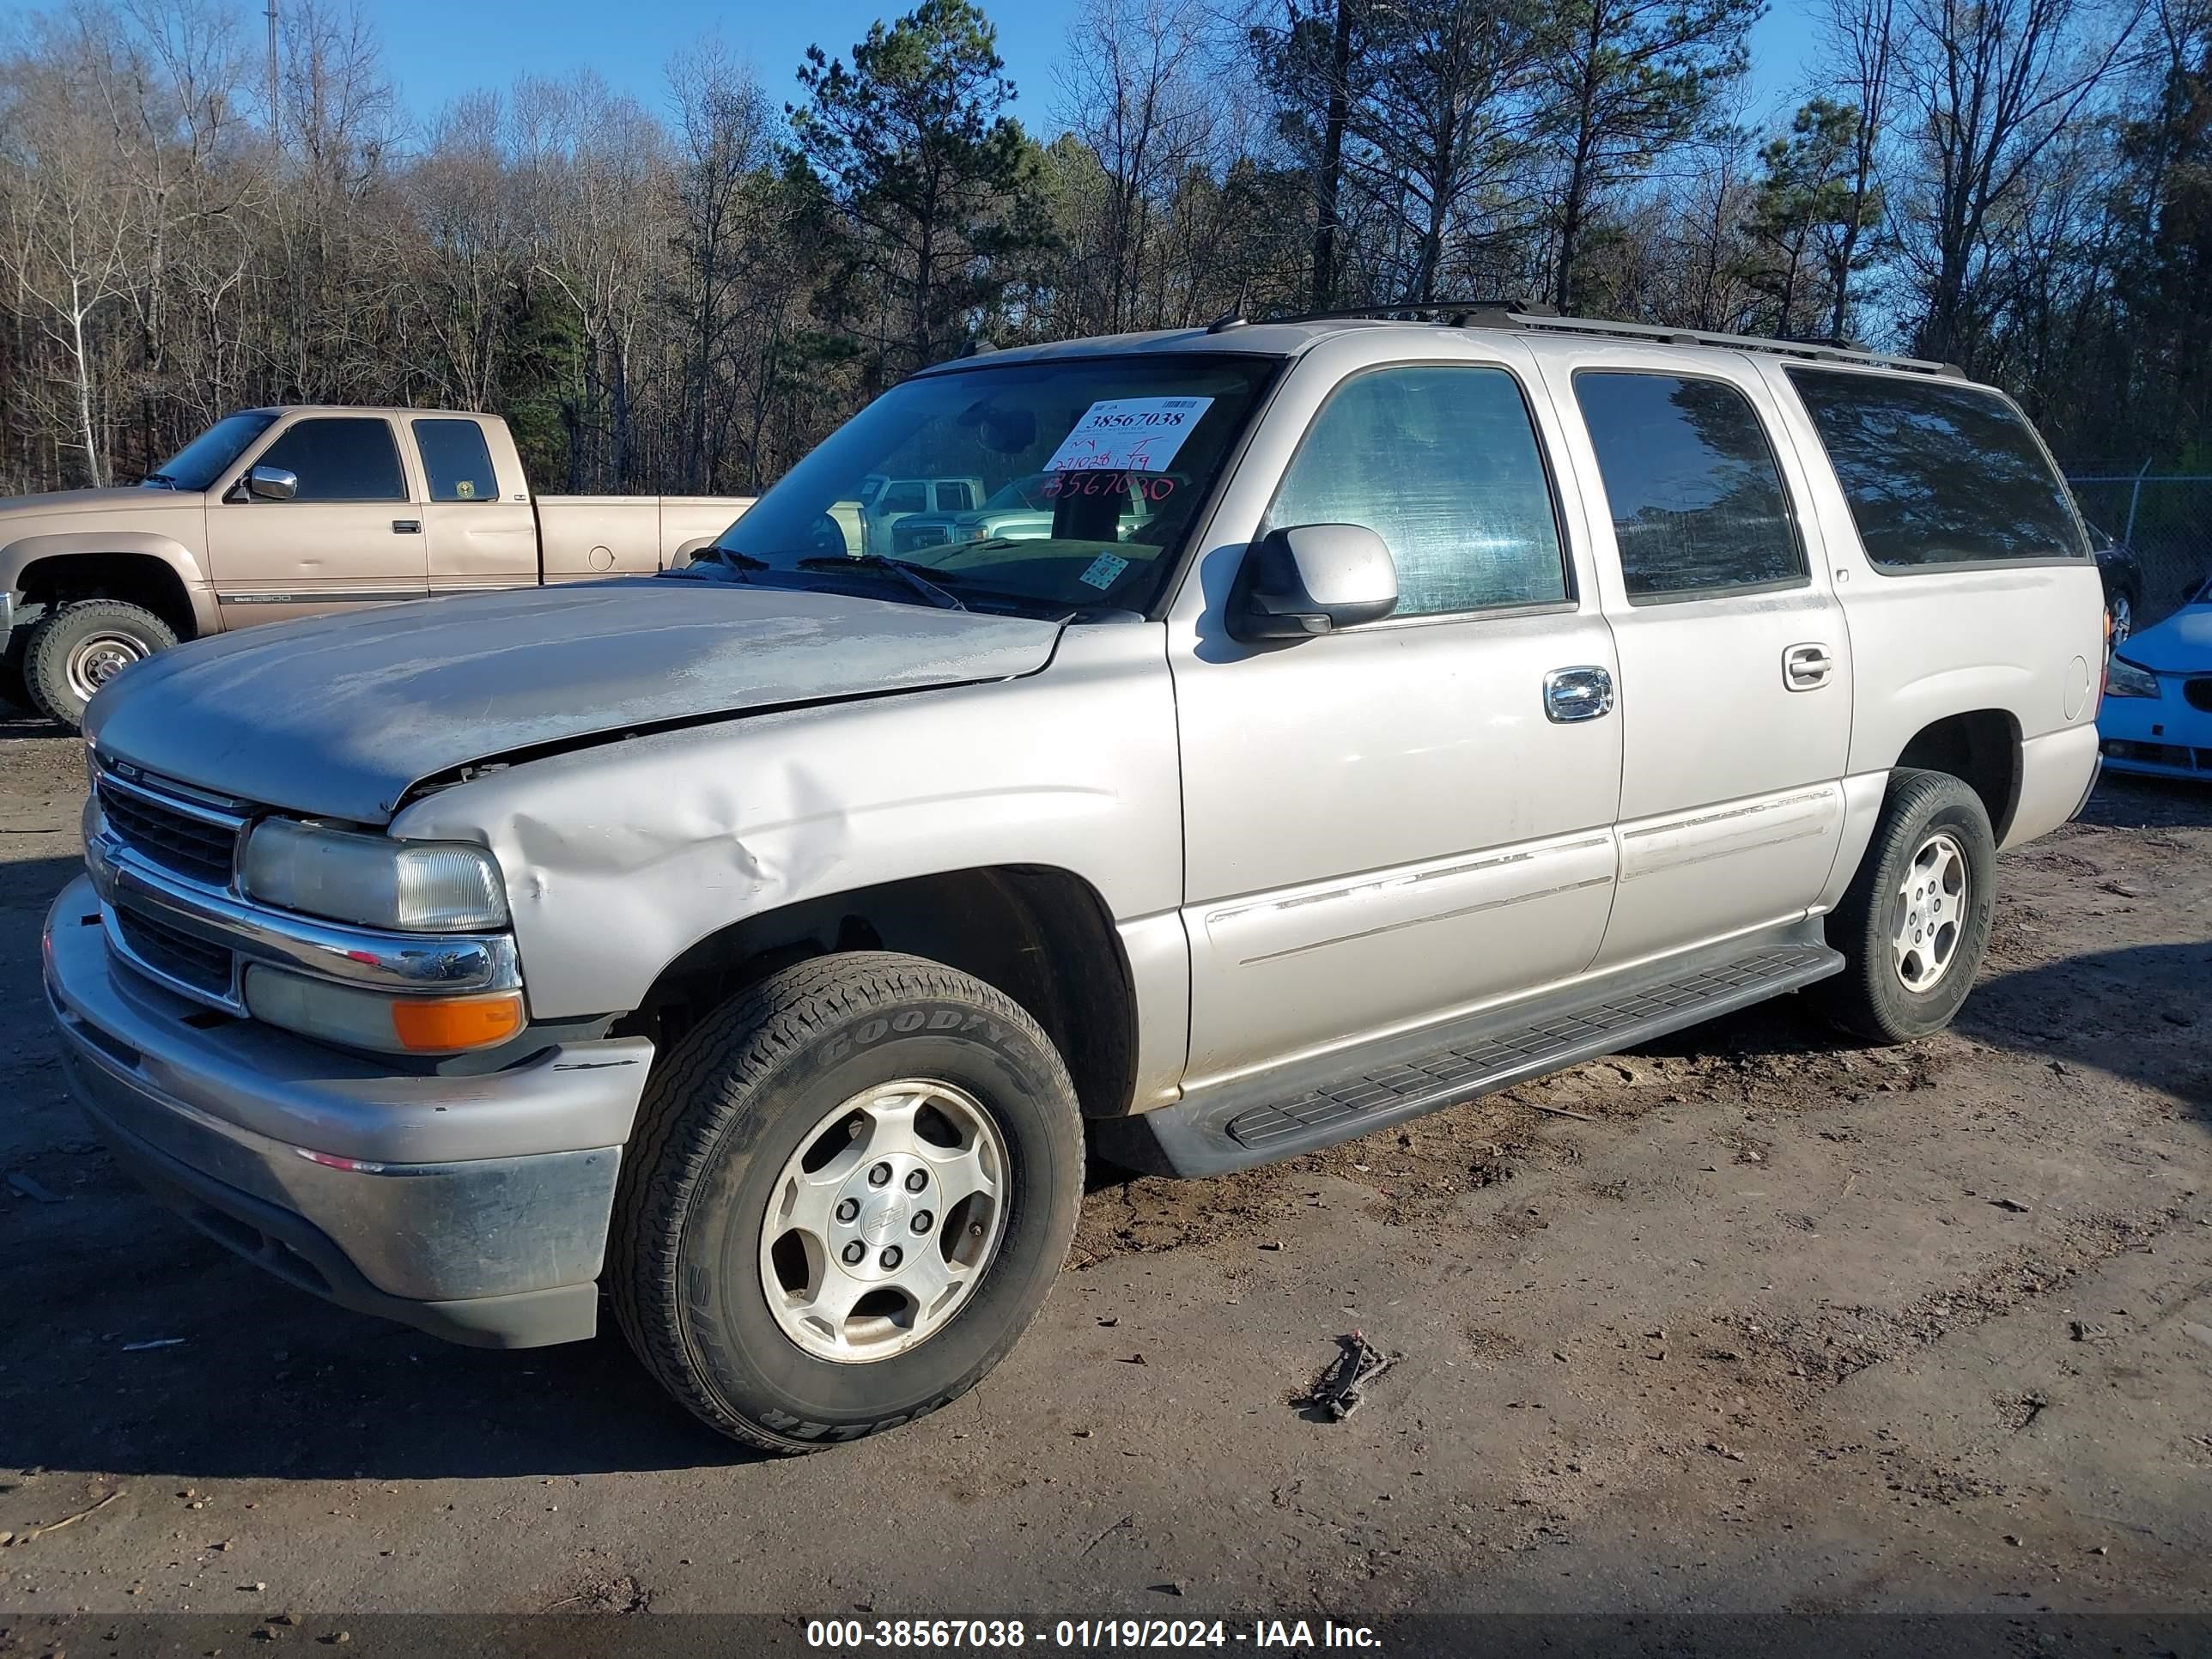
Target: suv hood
(2182, 644)
(338, 716)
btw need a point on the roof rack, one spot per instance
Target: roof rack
(1536, 317)
(1487, 312)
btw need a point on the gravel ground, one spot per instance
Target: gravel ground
(1744, 1319)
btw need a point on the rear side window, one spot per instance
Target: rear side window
(344, 457)
(457, 460)
(955, 498)
(1441, 462)
(1938, 474)
(1691, 479)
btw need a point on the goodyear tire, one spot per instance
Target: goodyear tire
(77, 647)
(1915, 922)
(848, 1193)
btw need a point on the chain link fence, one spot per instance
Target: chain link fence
(2164, 518)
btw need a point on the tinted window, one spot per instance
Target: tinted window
(1936, 473)
(457, 459)
(342, 459)
(955, 497)
(1692, 482)
(904, 498)
(1441, 463)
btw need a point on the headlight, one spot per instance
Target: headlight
(2125, 679)
(371, 1019)
(373, 880)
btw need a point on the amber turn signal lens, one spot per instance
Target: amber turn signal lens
(443, 1024)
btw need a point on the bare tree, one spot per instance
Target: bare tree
(723, 126)
(71, 220)
(1990, 84)
(1134, 90)
(1858, 61)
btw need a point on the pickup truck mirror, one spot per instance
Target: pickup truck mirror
(1311, 579)
(272, 483)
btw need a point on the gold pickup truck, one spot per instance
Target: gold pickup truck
(277, 513)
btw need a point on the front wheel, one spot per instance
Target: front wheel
(78, 648)
(849, 1191)
(1915, 921)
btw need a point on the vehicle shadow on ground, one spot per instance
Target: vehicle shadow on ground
(2126, 802)
(2138, 1013)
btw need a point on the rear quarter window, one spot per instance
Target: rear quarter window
(457, 460)
(1938, 473)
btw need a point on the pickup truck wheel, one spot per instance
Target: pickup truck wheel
(1914, 924)
(850, 1190)
(78, 648)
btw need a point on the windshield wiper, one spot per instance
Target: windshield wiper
(909, 574)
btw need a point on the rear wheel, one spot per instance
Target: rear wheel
(1915, 922)
(78, 648)
(849, 1191)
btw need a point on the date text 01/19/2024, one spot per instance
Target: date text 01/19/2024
(944, 1634)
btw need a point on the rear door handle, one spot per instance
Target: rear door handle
(407, 527)
(1805, 666)
(1584, 693)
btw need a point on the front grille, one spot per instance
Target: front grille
(189, 847)
(907, 538)
(2159, 754)
(184, 957)
(2199, 692)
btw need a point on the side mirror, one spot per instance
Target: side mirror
(1311, 579)
(272, 483)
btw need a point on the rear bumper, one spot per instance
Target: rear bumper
(475, 1207)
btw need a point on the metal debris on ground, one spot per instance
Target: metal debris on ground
(33, 1189)
(1342, 1388)
(29, 1533)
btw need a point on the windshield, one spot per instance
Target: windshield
(1107, 458)
(202, 461)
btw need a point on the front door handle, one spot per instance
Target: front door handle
(1804, 666)
(407, 527)
(1578, 694)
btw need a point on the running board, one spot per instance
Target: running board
(1289, 1110)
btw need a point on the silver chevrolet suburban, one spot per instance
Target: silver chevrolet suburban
(763, 941)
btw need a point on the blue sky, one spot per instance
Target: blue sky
(438, 48)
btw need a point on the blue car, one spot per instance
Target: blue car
(2157, 713)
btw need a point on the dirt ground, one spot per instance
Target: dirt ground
(1743, 1320)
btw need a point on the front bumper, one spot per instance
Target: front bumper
(475, 1207)
(2161, 736)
